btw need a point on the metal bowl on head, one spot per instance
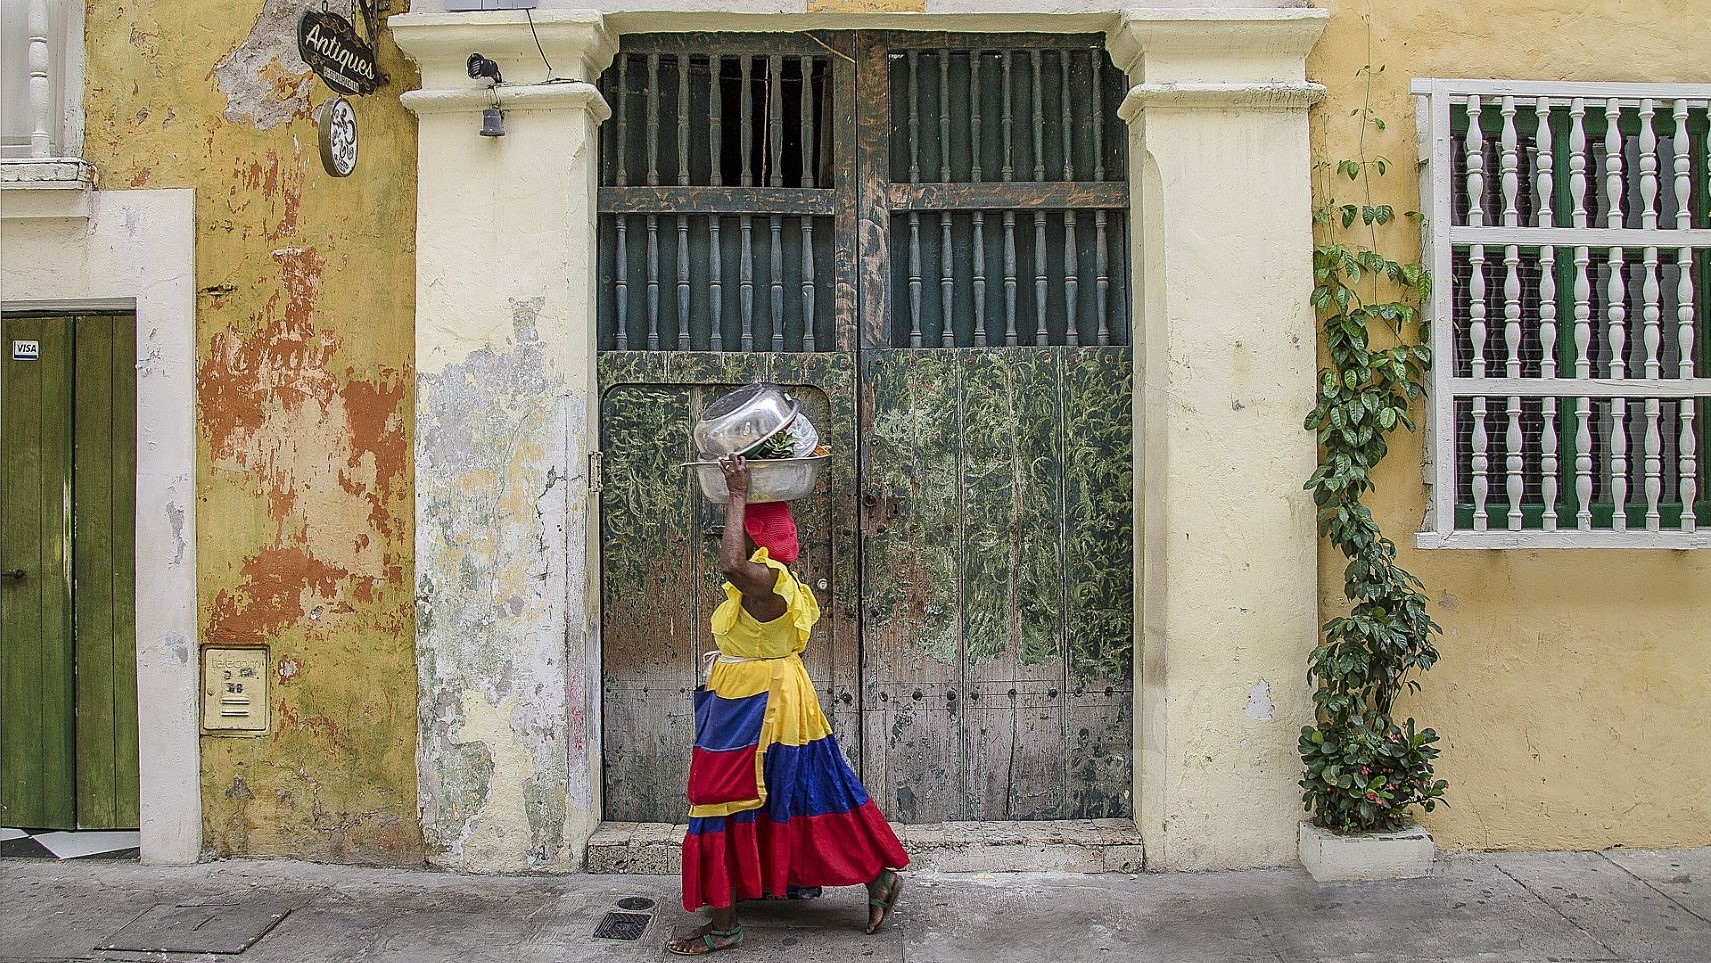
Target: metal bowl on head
(770, 479)
(738, 421)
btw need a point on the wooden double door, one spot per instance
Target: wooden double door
(68, 693)
(924, 237)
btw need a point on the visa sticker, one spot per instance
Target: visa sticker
(26, 350)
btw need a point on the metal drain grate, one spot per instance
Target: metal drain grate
(622, 926)
(197, 928)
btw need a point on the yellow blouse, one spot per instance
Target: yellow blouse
(739, 634)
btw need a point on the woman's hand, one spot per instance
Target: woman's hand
(736, 469)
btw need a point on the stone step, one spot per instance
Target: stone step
(1060, 846)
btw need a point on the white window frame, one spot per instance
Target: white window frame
(1501, 233)
(55, 56)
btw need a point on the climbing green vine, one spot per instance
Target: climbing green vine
(1364, 770)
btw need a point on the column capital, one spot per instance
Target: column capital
(1225, 47)
(1260, 96)
(576, 42)
(557, 95)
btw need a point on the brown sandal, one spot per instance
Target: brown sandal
(734, 934)
(893, 889)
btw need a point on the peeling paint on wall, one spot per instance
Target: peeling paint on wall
(265, 80)
(175, 519)
(1259, 706)
(491, 596)
(304, 383)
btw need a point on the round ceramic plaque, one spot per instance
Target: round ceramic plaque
(336, 126)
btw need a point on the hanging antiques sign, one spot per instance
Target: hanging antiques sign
(333, 49)
(346, 60)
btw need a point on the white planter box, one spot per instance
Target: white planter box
(1330, 858)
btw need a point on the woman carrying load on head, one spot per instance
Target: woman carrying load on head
(773, 804)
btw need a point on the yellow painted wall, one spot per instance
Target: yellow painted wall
(304, 350)
(1575, 685)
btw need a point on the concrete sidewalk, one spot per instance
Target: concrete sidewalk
(1617, 906)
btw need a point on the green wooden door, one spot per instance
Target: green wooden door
(997, 539)
(103, 554)
(727, 187)
(926, 235)
(68, 737)
(38, 732)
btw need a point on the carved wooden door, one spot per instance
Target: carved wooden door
(926, 235)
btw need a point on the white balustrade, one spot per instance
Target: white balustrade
(1476, 329)
(1544, 166)
(1651, 314)
(33, 61)
(1687, 442)
(1513, 461)
(41, 92)
(1616, 314)
(1595, 187)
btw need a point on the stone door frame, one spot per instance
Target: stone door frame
(71, 249)
(506, 407)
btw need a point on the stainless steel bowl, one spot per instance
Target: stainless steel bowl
(737, 422)
(770, 479)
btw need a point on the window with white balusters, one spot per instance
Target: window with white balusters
(34, 94)
(1568, 228)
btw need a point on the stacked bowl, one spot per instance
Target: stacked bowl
(742, 423)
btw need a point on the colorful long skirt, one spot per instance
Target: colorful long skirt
(773, 804)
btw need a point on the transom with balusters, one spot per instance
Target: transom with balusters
(957, 158)
(730, 195)
(711, 140)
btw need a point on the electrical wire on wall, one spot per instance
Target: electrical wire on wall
(552, 76)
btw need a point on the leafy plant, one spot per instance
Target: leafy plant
(780, 445)
(1363, 769)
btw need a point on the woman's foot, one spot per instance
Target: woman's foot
(707, 939)
(882, 896)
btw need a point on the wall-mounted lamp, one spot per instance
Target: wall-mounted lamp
(480, 66)
(492, 118)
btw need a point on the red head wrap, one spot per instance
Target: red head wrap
(772, 528)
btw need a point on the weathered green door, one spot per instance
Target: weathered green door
(925, 234)
(68, 736)
(996, 533)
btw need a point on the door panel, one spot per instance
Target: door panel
(998, 535)
(660, 551)
(1015, 610)
(38, 785)
(650, 606)
(1099, 577)
(997, 568)
(911, 658)
(103, 566)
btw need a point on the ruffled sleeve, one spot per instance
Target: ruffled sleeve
(739, 634)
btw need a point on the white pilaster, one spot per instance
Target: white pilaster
(507, 624)
(1224, 340)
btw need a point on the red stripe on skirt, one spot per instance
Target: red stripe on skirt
(762, 857)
